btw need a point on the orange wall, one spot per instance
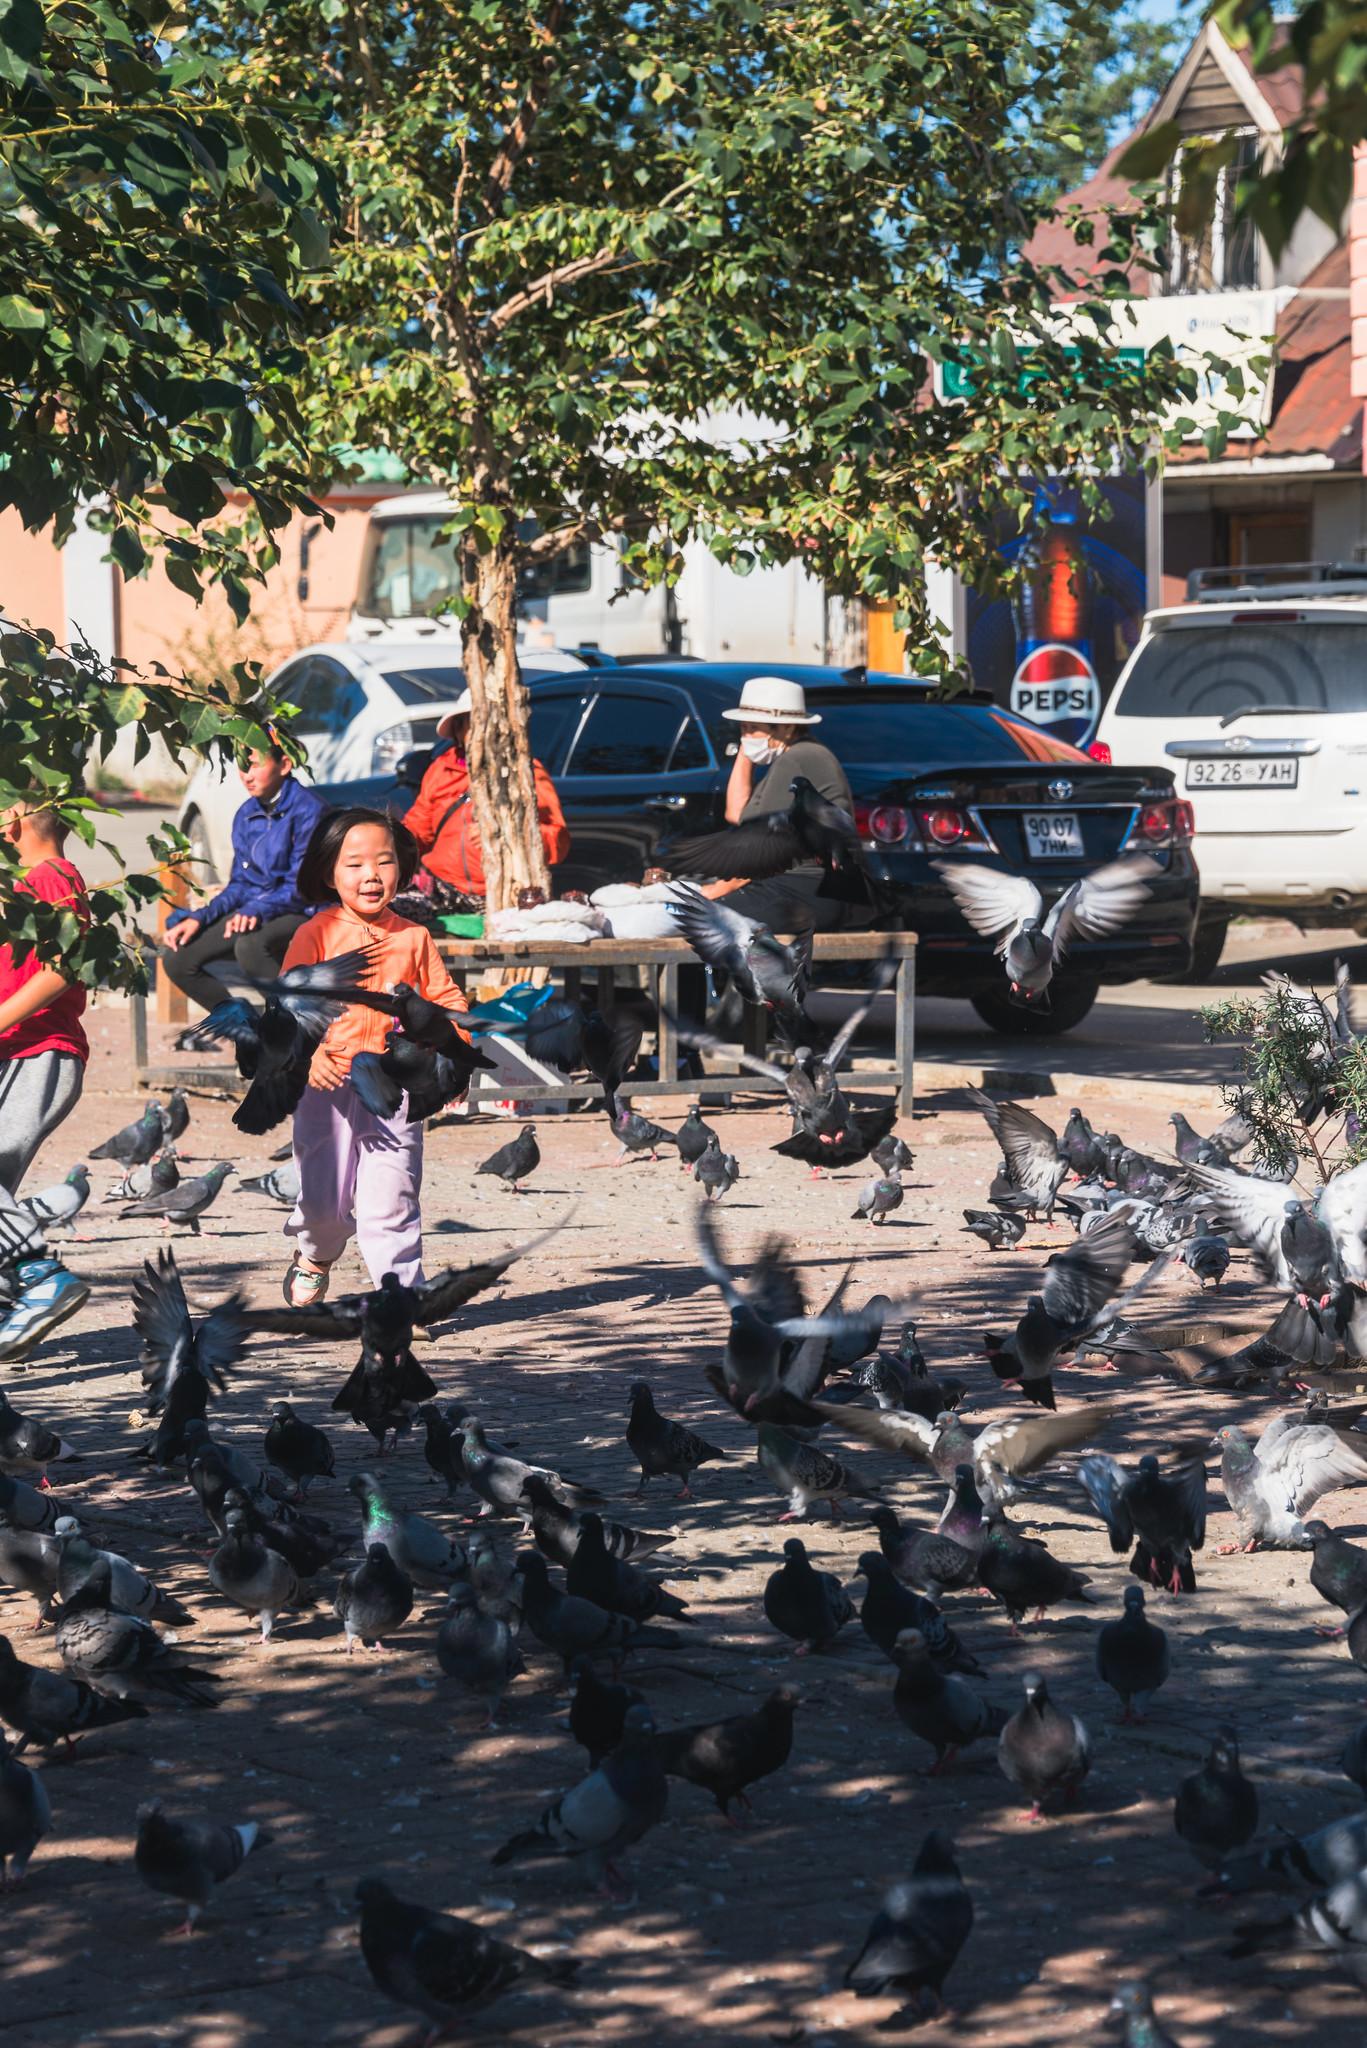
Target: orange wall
(30, 575)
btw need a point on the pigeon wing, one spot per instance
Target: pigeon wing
(1342, 1209)
(1101, 903)
(1252, 1210)
(996, 904)
(752, 852)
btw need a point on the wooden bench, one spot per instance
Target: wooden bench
(602, 958)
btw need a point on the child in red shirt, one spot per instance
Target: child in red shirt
(43, 1048)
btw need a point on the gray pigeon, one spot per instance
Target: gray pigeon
(187, 1859)
(716, 1172)
(996, 1227)
(1207, 1256)
(373, 1600)
(478, 1651)
(806, 1474)
(426, 1553)
(184, 1204)
(27, 1445)
(810, 1606)
(280, 1185)
(117, 1653)
(254, 1577)
(499, 1479)
(661, 1446)
(917, 1933)
(1132, 1657)
(1334, 1923)
(1216, 1809)
(1030, 941)
(1133, 2002)
(30, 1561)
(57, 1208)
(47, 1707)
(25, 1817)
(606, 1812)
(892, 1155)
(1292, 1862)
(136, 1142)
(156, 1177)
(175, 1118)
(27, 1507)
(442, 1966)
(1046, 1752)
(939, 1707)
(1270, 1484)
(878, 1198)
(131, 1591)
(573, 1626)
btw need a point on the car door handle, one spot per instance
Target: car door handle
(665, 803)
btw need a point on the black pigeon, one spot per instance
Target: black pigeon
(25, 1506)
(725, 1757)
(768, 974)
(578, 1037)
(996, 1227)
(856, 1138)
(479, 1651)
(1079, 1286)
(117, 1653)
(1046, 1752)
(556, 1528)
(892, 1155)
(514, 1162)
(442, 1447)
(808, 1605)
(30, 1560)
(663, 1448)
(693, 1137)
(812, 828)
(374, 1600)
(48, 1707)
(615, 1805)
(598, 1710)
(1032, 1168)
(300, 1450)
(1132, 1657)
(307, 1541)
(574, 1627)
(594, 1574)
(942, 1709)
(25, 1817)
(275, 1043)
(184, 1204)
(888, 1607)
(1338, 1572)
(1165, 1512)
(416, 1075)
(131, 1591)
(136, 1142)
(1022, 1574)
(1217, 1808)
(176, 1116)
(717, 1172)
(634, 1133)
(439, 1965)
(188, 1859)
(1080, 1146)
(917, 1933)
(183, 1361)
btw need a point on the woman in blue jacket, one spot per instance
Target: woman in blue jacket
(253, 920)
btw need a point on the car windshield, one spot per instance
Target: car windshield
(426, 685)
(1212, 671)
(869, 734)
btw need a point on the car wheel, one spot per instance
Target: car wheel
(1069, 1002)
(1208, 943)
(204, 875)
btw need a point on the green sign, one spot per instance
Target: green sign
(958, 377)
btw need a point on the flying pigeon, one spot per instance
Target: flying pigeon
(1030, 943)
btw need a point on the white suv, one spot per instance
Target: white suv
(362, 707)
(1254, 693)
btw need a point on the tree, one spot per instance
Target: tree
(1301, 1076)
(152, 235)
(1124, 59)
(688, 271)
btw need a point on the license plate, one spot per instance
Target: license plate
(1281, 773)
(1052, 835)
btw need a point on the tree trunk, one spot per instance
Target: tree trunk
(502, 788)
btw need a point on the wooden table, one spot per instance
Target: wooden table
(601, 958)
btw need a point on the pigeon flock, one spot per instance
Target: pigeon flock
(412, 1514)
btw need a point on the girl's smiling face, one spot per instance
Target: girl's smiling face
(366, 876)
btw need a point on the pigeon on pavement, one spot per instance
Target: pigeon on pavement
(915, 1937)
(25, 1817)
(155, 1178)
(716, 1172)
(57, 1208)
(927, 1562)
(661, 1447)
(809, 1605)
(136, 1142)
(280, 1185)
(1132, 1657)
(1032, 1166)
(439, 1965)
(1333, 1923)
(418, 1547)
(694, 1137)
(183, 1205)
(30, 1561)
(25, 1506)
(594, 1574)
(1216, 1810)
(1133, 2002)
(574, 1627)
(373, 1600)
(478, 1650)
(48, 1707)
(941, 1708)
(1044, 1751)
(1270, 1484)
(606, 1812)
(634, 1133)
(120, 1654)
(598, 1710)
(888, 1607)
(556, 1529)
(500, 1479)
(997, 1228)
(254, 1577)
(189, 1859)
(892, 1155)
(29, 1446)
(806, 1475)
(515, 1161)
(1338, 1571)
(1022, 1574)
(878, 1198)
(130, 1590)
(727, 1756)
(300, 1450)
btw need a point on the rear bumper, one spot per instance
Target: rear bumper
(1284, 871)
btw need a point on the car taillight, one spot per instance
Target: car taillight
(882, 824)
(1099, 751)
(1167, 824)
(945, 825)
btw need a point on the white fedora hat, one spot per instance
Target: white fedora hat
(773, 700)
(446, 726)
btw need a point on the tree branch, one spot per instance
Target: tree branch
(545, 287)
(563, 538)
(513, 147)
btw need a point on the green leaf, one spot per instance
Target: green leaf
(1149, 155)
(19, 312)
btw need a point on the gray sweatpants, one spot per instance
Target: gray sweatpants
(36, 1094)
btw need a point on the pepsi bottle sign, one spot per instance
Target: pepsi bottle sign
(1056, 686)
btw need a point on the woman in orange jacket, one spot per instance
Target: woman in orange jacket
(442, 818)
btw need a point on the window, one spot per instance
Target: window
(1224, 257)
(560, 577)
(327, 695)
(1209, 671)
(552, 725)
(410, 572)
(426, 685)
(690, 749)
(627, 735)
(909, 734)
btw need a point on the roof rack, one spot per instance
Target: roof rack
(1274, 579)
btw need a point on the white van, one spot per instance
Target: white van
(1254, 693)
(584, 599)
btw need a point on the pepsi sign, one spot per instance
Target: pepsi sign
(1056, 686)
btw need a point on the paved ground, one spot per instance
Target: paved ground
(733, 1938)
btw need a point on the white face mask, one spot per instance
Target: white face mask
(759, 750)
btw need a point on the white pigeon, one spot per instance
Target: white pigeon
(57, 1208)
(1010, 909)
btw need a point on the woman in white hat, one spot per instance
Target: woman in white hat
(774, 747)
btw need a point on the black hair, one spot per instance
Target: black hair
(320, 855)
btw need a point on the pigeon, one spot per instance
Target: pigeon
(1333, 1923)
(1079, 1290)
(939, 1708)
(119, 1654)
(214, 1469)
(1165, 1512)
(442, 1447)
(598, 1710)
(254, 1577)
(1353, 1762)
(155, 1178)
(1191, 1148)
(809, 1606)
(661, 1447)
(184, 1204)
(1080, 1146)
(1338, 1571)
(634, 1133)
(768, 974)
(183, 1361)
(420, 1079)
(1216, 1810)
(275, 1044)
(188, 1859)
(374, 1600)
(594, 1574)
(929, 1563)
(306, 1541)
(1031, 1165)
(25, 1817)
(29, 1446)
(280, 1185)
(1010, 910)
(130, 1590)
(30, 1561)
(556, 1529)
(916, 1935)
(574, 1627)
(300, 1450)
(892, 1155)
(606, 1812)
(27, 1507)
(136, 1142)
(1045, 1752)
(175, 1117)
(854, 1138)
(1206, 1256)
(55, 1209)
(497, 1586)
(575, 1037)
(440, 1965)
(812, 828)
(48, 1707)
(878, 1198)
(725, 1757)
(514, 1162)
(888, 1607)
(1292, 1862)
(996, 1227)
(1132, 2001)
(716, 1172)
(694, 1137)
(418, 1547)
(1270, 1484)
(478, 1650)
(499, 1478)
(807, 1475)
(1132, 1657)
(1021, 1573)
